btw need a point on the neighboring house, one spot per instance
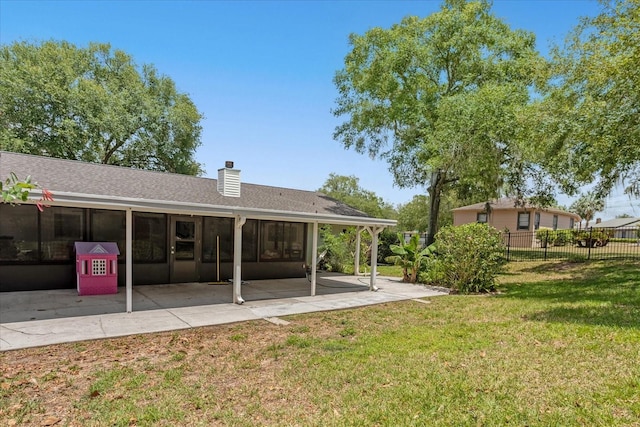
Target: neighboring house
(623, 228)
(504, 215)
(169, 228)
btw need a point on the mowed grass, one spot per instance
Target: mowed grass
(558, 346)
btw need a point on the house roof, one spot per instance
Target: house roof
(507, 203)
(96, 185)
(619, 222)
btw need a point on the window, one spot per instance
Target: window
(250, 240)
(185, 240)
(523, 220)
(481, 217)
(571, 223)
(60, 228)
(109, 226)
(280, 241)
(19, 233)
(555, 222)
(536, 223)
(149, 237)
(217, 229)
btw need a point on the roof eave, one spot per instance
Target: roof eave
(181, 208)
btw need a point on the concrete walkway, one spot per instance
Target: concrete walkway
(38, 318)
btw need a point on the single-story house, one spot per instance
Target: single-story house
(505, 215)
(169, 228)
(623, 228)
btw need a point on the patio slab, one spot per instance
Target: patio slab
(38, 318)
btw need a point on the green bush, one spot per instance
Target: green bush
(470, 257)
(597, 237)
(550, 237)
(336, 248)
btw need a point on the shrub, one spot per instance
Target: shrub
(550, 237)
(471, 256)
(597, 237)
(335, 246)
(409, 256)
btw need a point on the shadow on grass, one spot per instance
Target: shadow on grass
(603, 294)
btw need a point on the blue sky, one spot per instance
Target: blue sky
(261, 71)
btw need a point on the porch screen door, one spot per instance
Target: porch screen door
(186, 248)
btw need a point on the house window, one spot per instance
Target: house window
(149, 237)
(109, 226)
(571, 223)
(523, 220)
(222, 228)
(250, 240)
(555, 222)
(536, 223)
(217, 232)
(280, 241)
(60, 228)
(19, 240)
(481, 217)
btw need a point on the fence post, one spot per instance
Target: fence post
(589, 243)
(508, 245)
(546, 244)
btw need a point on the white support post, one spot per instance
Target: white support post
(237, 259)
(375, 231)
(356, 264)
(129, 259)
(314, 258)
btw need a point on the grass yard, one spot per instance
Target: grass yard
(559, 345)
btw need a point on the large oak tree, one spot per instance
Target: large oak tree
(589, 122)
(94, 104)
(440, 99)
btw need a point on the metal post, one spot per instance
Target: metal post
(546, 244)
(374, 256)
(314, 258)
(129, 259)
(356, 262)
(508, 246)
(589, 242)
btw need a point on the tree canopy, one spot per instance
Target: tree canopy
(347, 190)
(587, 205)
(589, 121)
(440, 99)
(94, 104)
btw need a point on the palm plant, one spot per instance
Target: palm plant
(409, 256)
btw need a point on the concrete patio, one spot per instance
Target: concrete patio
(37, 318)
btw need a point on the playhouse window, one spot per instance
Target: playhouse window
(99, 267)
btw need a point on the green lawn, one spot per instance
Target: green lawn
(558, 346)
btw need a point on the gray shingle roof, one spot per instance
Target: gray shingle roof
(68, 176)
(619, 222)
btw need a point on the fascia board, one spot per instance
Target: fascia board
(179, 208)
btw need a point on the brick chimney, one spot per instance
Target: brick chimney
(229, 180)
(598, 220)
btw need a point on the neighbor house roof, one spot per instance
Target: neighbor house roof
(619, 223)
(96, 185)
(507, 203)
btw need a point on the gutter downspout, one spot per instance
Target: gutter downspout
(237, 259)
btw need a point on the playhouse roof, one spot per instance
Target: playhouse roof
(95, 248)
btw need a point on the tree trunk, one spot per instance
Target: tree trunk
(435, 190)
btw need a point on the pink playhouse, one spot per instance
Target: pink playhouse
(97, 267)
